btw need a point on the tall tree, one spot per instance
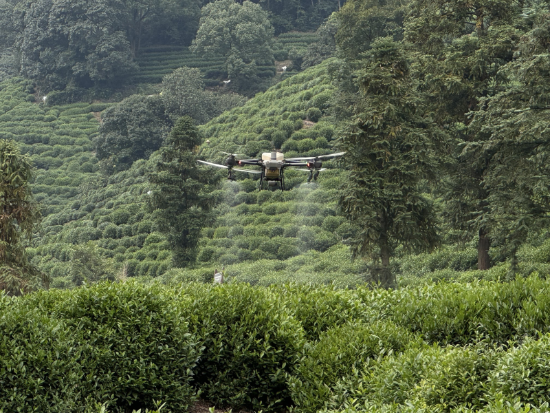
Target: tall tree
(359, 24)
(181, 198)
(512, 138)
(242, 34)
(19, 215)
(460, 46)
(389, 151)
(131, 130)
(183, 94)
(61, 42)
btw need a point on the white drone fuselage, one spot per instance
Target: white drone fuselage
(273, 163)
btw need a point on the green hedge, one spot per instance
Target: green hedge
(135, 344)
(338, 352)
(251, 342)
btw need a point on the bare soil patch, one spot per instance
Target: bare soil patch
(308, 124)
(280, 63)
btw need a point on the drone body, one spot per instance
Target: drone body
(273, 165)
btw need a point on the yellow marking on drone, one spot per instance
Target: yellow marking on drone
(272, 173)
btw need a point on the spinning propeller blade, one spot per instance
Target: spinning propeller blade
(250, 171)
(312, 158)
(212, 164)
(231, 154)
(309, 170)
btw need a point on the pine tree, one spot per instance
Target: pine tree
(19, 215)
(390, 150)
(181, 197)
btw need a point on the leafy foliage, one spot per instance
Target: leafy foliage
(338, 352)
(389, 150)
(181, 200)
(131, 130)
(136, 346)
(19, 215)
(241, 33)
(251, 343)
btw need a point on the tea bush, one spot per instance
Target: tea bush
(337, 353)
(139, 348)
(251, 342)
(468, 313)
(40, 366)
(320, 308)
(523, 373)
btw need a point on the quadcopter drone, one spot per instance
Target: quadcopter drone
(273, 165)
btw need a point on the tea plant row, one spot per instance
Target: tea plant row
(481, 346)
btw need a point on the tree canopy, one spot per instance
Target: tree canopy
(241, 33)
(390, 149)
(181, 196)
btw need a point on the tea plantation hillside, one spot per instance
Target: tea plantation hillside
(293, 116)
(58, 139)
(260, 237)
(107, 215)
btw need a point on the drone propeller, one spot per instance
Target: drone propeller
(231, 154)
(312, 158)
(250, 171)
(212, 164)
(309, 170)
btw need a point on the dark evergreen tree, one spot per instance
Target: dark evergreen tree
(511, 137)
(181, 197)
(390, 150)
(19, 215)
(359, 24)
(460, 47)
(325, 47)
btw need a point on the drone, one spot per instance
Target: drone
(273, 165)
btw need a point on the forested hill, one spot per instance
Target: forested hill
(76, 45)
(441, 109)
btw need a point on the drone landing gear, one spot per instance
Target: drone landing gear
(313, 174)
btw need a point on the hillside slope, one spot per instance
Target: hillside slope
(108, 214)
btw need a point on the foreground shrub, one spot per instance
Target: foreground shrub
(461, 314)
(320, 308)
(391, 382)
(524, 373)
(139, 349)
(338, 352)
(39, 362)
(458, 378)
(251, 342)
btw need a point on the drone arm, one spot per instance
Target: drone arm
(302, 164)
(249, 162)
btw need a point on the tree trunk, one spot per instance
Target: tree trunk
(479, 22)
(484, 243)
(386, 278)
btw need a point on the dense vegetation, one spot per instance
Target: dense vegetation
(441, 197)
(461, 347)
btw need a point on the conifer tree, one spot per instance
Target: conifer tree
(512, 137)
(460, 47)
(19, 215)
(181, 197)
(389, 151)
